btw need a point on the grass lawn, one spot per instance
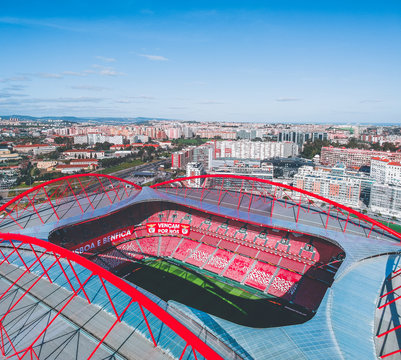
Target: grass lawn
(198, 289)
(200, 281)
(395, 227)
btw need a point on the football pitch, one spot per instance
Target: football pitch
(201, 290)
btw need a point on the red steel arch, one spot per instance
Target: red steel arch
(78, 188)
(40, 247)
(278, 193)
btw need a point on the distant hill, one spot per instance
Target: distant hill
(104, 120)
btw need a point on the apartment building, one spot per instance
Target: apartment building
(180, 159)
(243, 168)
(385, 171)
(386, 199)
(199, 154)
(195, 169)
(245, 149)
(333, 184)
(354, 157)
(93, 138)
(35, 149)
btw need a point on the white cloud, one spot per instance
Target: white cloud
(105, 71)
(59, 100)
(154, 57)
(74, 73)
(210, 102)
(15, 78)
(177, 107)
(49, 76)
(106, 59)
(88, 87)
(288, 99)
(73, 100)
(6, 94)
(371, 101)
(108, 72)
(144, 97)
(136, 99)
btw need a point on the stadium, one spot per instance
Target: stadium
(206, 267)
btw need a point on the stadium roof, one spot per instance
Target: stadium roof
(344, 325)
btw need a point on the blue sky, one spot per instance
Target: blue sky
(265, 61)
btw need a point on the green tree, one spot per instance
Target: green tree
(354, 143)
(59, 140)
(312, 148)
(102, 146)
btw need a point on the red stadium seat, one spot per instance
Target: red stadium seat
(218, 261)
(260, 275)
(149, 245)
(130, 249)
(168, 245)
(269, 257)
(284, 284)
(238, 268)
(292, 264)
(185, 249)
(199, 256)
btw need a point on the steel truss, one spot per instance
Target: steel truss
(248, 194)
(62, 198)
(68, 265)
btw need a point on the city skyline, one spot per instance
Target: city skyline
(286, 62)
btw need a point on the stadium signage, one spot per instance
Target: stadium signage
(167, 228)
(102, 240)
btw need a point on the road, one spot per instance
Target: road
(127, 174)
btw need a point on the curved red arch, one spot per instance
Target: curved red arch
(190, 338)
(288, 187)
(33, 189)
(79, 189)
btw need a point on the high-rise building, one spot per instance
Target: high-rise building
(195, 169)
(180, 159)
(204, 154)
(386, 199)
(385, 171)
(245, 149)
(335, 184)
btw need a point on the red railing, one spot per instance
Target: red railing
(39, 248)
(274, 194)
(45, 200)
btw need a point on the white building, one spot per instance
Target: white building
(174, 133)
(386, 199)
(330, 184)
(385, 171)
(81, 139)
(195, 169)
(245, 149)
(44, 165)
(240, 168)
(83, 154)
(93, 138)
(36, 149)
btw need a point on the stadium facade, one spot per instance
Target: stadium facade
(70, 247)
